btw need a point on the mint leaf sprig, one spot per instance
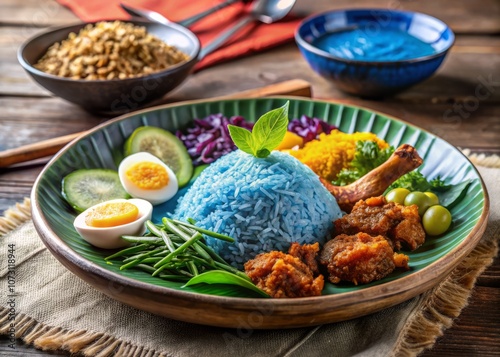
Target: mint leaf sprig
(266, 135)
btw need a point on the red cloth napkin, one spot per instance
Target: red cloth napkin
(256, 37)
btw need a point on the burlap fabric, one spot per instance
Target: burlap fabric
(56, 310)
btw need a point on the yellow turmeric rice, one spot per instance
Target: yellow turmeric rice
(332, 152)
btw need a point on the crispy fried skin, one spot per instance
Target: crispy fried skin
(307, 253)
(377, 217)
(359, 258)
(375, 182)
(287, 275)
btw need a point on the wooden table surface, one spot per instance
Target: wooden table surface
(446, 104)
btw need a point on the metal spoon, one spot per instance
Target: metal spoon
(152, 16)
(157, 17)
(195, 18)
(266, 11)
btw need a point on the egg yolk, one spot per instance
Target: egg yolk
(148, 175)
(112, 214)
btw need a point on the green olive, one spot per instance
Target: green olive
(434, 198)
(420, 199)
(397, 195)
(436, 220)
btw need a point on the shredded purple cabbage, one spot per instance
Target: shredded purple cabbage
(209, 138)
(309, 128)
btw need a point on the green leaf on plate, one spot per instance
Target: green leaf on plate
(267, 133)
(242, 138)
(224, 277)
(270, 129)
(454, 194)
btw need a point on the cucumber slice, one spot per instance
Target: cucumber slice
(85, 188)
(164, 145)
(197, 171)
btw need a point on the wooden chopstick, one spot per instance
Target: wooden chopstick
(295, 87)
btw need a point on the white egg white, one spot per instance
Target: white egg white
(154, 196)
(110, 237)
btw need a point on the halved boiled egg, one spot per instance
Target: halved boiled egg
(145, 176)
(102, 225)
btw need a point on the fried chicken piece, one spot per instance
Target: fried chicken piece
(375, 182)
(376, 216)
(401, 261)
(287, 275)
(359, 258)
(308, 253)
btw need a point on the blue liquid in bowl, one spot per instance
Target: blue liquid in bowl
(365, 44)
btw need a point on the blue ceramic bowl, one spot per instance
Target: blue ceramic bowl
(374, 77)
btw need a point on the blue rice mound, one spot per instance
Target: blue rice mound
(264, 204)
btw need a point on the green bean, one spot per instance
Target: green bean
(168, 241)
(202, 230)
(212, 253)
(201, 251)
(232, 270)
(192, 268)
(152, 260)
(146, 268)
(179, 250)
(218, 265)
(149, 240)
(171, 227)
(131, 264)
(173, 251)
(186, 273)
(184, 235)
(143, 255)
(153, 228)
(126, 251)
(181, 278)
(163, 253)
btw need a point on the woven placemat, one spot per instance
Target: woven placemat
(55, 310)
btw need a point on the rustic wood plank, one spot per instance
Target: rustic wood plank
(491, 276)
(35, 13)
(13, 79)
(476, 331)
(27, 120)
(481, 16)
(458, 78)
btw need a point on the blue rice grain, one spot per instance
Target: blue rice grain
(264, 204)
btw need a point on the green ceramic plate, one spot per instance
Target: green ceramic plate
(102, 147)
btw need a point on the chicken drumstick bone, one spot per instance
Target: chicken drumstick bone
(374, 183)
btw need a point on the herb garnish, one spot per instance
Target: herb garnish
(367, 156)
(267, 133)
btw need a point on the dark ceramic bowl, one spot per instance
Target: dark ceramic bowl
(116, 95)
(374, 77)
